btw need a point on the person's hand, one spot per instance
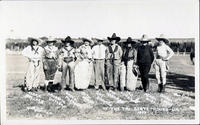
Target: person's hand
(165, 59)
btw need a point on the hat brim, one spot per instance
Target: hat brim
(86, 40)
(70, 41)
(99, 40)
(130, 42)
(30, 39)
(144, 41)
(51, 41)
(163, 39)
(115, 38)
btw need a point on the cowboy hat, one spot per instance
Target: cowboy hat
(99, 40)
(162, 38)
(130, 40)
(51, 39)
(114, 37)
(144, 39)
(68, 40)
(86, 40)
(31, 39)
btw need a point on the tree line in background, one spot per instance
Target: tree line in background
(179, 46)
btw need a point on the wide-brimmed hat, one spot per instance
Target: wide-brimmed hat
(144, 39)
(99, 40)
(68, 40)
(162, 38)
(86, 40)
(114, 37)
(130, 40)
(51, 40)
(31, 39)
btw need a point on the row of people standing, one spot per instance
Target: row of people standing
(119, 66)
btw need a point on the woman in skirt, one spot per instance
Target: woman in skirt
(34, 54)
(83, 69)
(129, 58)
(50, 61)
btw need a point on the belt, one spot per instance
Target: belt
(99, 59)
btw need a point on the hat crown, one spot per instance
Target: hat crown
(162, 36)
(114, 35)
(68, 38)
(129, 39)
(144, 36)
(51, 39)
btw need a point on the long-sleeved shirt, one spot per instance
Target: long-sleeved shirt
(99, 51)
(129, 54)
(50, 52)
(33, 53)
(164, 51)
(85, 51)
(114, 52)
(145, 55)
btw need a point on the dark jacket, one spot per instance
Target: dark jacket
(145, 55)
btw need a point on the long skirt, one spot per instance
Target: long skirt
(127, 77)
(50, 68)
(32, 76)
(83, 73)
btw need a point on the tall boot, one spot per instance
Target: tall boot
(163, 89)
(160, 86)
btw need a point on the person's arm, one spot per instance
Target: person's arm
(25, 52)
(170, 52)
(151, 54)
(120, 52)
(135, 57)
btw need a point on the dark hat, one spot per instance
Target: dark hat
(86, 40)
(31, 39)
(144, 39)
(162, 38)
(130, 40)
(68, 40)
(51, 40)
(114, 37)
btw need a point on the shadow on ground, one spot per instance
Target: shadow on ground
(179, 81)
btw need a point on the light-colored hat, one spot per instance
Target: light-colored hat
(86, 40)
(162, 38)
(51, 39)
(144, 38)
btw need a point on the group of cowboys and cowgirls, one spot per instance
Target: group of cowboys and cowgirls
(112, 67)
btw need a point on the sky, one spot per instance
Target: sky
(87, 18)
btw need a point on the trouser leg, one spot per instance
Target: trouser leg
(109, 71)
(63, 77)
(116, 73)
(71, 74)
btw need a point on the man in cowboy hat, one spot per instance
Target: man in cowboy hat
(66, 62)
(99, 54)
(50, 61)
(129, 58)
(145, 58)
(163, 54)
(113, 61)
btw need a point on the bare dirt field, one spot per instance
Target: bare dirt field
(176, 104)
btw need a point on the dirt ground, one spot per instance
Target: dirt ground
(176, 104)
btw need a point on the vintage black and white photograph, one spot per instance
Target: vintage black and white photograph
(132, 60)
